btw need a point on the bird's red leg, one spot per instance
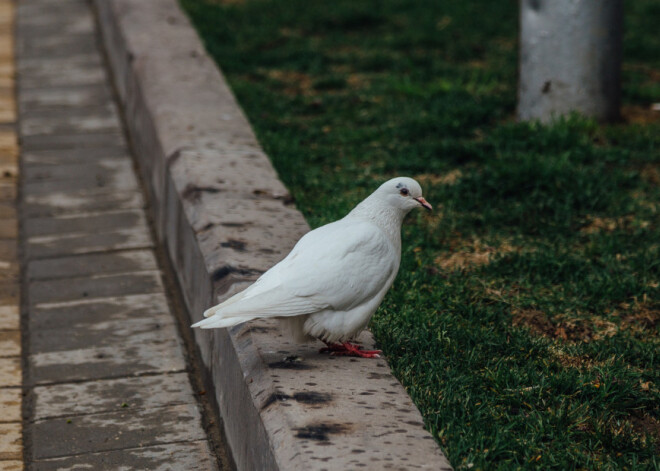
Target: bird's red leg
(349, 349)
(332, 347)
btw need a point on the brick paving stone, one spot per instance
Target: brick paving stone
(85, 223)
(10, 343)
(82, 70)
(100, 286)
(10, 371)
(116, 179)
(92, 264)
(10, 404)
(67, 121)
(8, 250)
(79, 243)
(7, 210)
(115, 430)
(8, 228)
(106, 371)
(82, 313)
(190, 456)
(104, 333)
(111, 395)
(12, 465)
(11, 429)
(7, 191)
(9, 316)
(49, 161)
(36, 99)
(11, 443)
(69, 141)
(101, 199)
(128, 359)
(57, 45)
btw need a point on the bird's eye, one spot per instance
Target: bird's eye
(404, 191)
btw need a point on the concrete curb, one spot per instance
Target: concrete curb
(224, 217)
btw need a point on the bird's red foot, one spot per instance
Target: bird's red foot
(350, 350)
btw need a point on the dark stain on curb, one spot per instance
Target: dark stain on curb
(320, 432)
(290, 365)
(277, 396)
(312, 397)
(237, 245)
(192, 192)
(219, 273)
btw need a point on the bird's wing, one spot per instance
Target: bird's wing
(338, 266)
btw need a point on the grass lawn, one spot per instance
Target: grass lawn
(524, 321)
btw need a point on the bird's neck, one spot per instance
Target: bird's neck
(386, 217)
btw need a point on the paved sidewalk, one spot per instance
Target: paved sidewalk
(106, 375)
(11, 452)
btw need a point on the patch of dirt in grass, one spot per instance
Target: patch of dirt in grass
(466, 254)
(357, 81)
(651, 174)
(450, 178)
(574, 361)
(564, 328)
(226, 2)
(535, 320)
(597, 224)
(640, 317)
(585, 330)
(647, 425)
(636, 114)
(295, 83)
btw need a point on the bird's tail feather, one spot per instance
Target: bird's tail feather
(212, 310)
(217, 322)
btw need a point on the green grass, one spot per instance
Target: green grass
(524, 320)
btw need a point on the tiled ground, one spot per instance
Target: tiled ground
(11, 449)
(106, 377)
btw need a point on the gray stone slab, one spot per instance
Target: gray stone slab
(36, 99)
(117, 430)
(81, 242)
(8, 250)
(99, 168)
(7, 210)
(95, 286)
(91, 264)
(88, 313)
(64, 112)
(40, 25)
(64, 16)
(7, 191)
(92, 223)
(132, 357)
(44, 72)
(67, 121)
(70, 157)
(102, 199)
(189, 456)
(57, 45)
(56, 13)
(116, 178)
(102, 334)
(111, 395)
(70, 141)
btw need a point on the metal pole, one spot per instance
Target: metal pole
(570, 58)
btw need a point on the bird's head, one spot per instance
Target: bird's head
(403, 193)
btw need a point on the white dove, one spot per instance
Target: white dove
(335, 277)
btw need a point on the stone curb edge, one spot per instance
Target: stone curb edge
(224, 218)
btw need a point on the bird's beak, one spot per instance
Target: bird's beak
(425, 204)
